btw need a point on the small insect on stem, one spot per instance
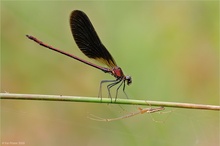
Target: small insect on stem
(140, 111)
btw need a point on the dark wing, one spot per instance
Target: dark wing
(87, 39)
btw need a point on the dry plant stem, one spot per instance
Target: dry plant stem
(141, 111)
(10, 96)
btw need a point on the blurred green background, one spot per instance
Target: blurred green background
(169, 48)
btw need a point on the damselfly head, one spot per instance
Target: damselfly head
(128, 79)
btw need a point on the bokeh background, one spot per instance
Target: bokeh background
(170, 48)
